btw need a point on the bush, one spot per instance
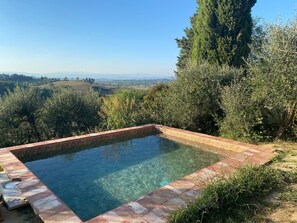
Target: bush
(6, 86)
(19, 111)
(153, 104)
(273, 77)
(192, 101)
(263, 105)
(67, 113)
(123, 109)
(229, 200)
(242, 115)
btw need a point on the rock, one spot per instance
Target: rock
(12, 197)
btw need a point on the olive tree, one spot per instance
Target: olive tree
(193, 100)
(69, 113)
(263, 106)
(19, 111)
(273, 70)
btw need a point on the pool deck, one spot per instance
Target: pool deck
(151, 208)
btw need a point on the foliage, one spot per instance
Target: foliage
(6, 86)
(90, 80)
(220, 33)
(229, 200)
(17, 78)
(18, 116)
(242, 116)
(68, 113)
(274, 76)
(290, 194)
(281, 154)
(290, 176)
(122, 109)
(258, 37)
(185, 45)
(263, 105)
(153, 103)
(192, 101)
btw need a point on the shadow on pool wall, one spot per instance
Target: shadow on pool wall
(115, 144)
(77, 143)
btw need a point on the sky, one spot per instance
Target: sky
(135, 37)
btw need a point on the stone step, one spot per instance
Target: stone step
(11, 195)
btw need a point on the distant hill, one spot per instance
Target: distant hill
(103, 86)
(134, 83)
(97, 76)
(81, 86)
(9, 81)
(17, 78)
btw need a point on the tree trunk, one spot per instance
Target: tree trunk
(288, 120)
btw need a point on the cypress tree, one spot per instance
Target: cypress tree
(185, 45)
(220, 33)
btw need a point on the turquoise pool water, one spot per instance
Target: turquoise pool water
(95, 180)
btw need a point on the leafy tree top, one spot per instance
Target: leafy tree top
(220, 33)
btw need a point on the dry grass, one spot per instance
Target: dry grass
(282, 205)
(77, 86)
(82, 87)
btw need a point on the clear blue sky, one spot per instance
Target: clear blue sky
(101, 36)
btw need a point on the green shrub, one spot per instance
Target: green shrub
(68, 113)
(192, 101)
(263, 106)
(273, 77)
(242, 115)
(19, 116)
(229, 200)
(6, 86)
(123, 109)
(153, 104)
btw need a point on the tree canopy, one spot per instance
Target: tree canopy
(220, 33)
(18, 116)
(263, 105)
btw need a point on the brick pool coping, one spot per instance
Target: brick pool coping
(153, 207)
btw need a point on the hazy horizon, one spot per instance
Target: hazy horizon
(82, 75)
(95, 75)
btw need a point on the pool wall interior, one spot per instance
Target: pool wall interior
(152, 207)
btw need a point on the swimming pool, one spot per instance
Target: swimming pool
(96, 179)
(152, 207)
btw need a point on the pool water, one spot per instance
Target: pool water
(98, 179)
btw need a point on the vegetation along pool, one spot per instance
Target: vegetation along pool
(94, 180)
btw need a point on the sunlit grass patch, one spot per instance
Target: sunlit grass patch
(231, 199)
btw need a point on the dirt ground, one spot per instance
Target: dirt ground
(21, 215)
